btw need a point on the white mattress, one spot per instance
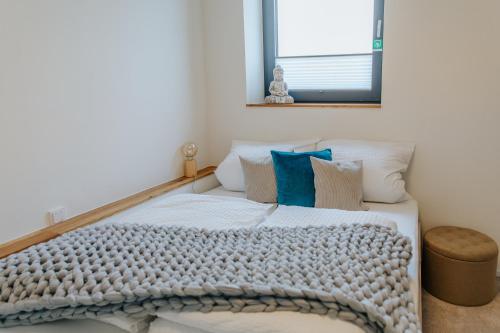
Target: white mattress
(404, 215)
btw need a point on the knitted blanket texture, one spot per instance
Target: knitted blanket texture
(356, 272)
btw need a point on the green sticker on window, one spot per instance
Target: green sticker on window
(378, 44)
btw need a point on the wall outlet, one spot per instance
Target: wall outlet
(56, 215)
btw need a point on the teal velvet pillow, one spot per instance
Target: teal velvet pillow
(295, 176)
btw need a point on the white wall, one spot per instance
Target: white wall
(254, 50)
(440, 90)
(96, 97)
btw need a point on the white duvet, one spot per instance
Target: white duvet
(217, 212)
(228, 322)
(294, 216)
(202, 211)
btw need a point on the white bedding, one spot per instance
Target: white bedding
(202, 211)
(228, 322)
(294, 216)
(403, 215)
(219, 207)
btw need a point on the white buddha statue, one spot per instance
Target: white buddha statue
(278, 89)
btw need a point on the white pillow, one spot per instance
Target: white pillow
(383, 165)
(229, 172)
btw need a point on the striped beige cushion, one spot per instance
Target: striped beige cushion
(260, 181)
(338, 185)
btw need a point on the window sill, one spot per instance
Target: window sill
(319, 105)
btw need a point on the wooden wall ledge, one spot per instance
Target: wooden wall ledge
(319, 105)
(97, 214)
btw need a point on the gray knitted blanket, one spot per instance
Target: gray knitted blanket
(354, 272)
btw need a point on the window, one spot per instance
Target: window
(330, 50)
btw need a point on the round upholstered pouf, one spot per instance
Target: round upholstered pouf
(459, 265)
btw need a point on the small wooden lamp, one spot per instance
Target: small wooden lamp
(190, 150)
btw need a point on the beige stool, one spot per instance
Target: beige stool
(459, 265)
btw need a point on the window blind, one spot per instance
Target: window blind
(353, 72)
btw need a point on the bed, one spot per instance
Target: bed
(404, 215)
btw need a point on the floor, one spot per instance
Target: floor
(441, 317)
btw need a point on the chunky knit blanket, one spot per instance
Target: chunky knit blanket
(354, 272)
